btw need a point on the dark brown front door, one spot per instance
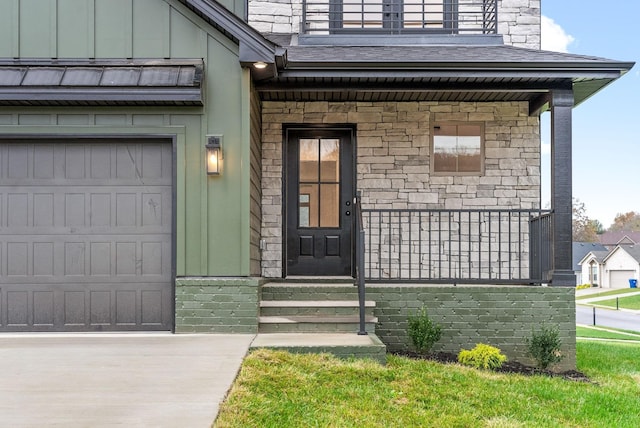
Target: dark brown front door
(319, 194)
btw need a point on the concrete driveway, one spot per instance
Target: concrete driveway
(105, 380)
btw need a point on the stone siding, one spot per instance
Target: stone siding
(217, 305)
(518, 20)
(393, 158)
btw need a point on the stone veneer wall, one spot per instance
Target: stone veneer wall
(393, 161)
(518, 20)
(217, 305)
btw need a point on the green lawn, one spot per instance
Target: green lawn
(589, 332)
(617, 291)
(631, 302)
(277, 389)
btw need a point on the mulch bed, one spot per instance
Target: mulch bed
(508, 367)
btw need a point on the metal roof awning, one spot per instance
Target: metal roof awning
(101, 82)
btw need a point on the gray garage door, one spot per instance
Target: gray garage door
(620, 278)
(85, 235)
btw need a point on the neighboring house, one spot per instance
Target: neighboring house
(621, 265)
(592, 267)
(110, 222)
(620, 237)
(580, 251)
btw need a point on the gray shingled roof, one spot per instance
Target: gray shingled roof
(109, 82)
(445, 72)
(581, 249)
(446, 54)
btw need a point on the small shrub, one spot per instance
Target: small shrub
(482, 357)
(423, 332)
(583, 286)
(544, 346)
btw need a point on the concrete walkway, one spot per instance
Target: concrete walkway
(106, 380)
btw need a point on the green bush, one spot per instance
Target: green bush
(482, 357)
(544, 346)
(583, 286)
(423, 332)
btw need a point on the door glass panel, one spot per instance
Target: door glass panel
(329, 205)
(319, 183)
(330, 160)
(309, 159)
(308, 205)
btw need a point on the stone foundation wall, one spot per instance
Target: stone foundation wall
(217, 305)
(393, 158)
(501, 316)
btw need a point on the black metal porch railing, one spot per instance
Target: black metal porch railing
(456, 246)
(399, 16)
(359, 245)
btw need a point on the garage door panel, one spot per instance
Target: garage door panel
(43, 308)
(78, 307)
(86, 242)
(620, 278)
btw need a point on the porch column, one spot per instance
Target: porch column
(561, 192)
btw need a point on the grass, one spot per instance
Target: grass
(631, 302)
(598, 333)
(617, 291)
(278, 389)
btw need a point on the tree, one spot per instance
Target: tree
(584, 229)
(628, 221)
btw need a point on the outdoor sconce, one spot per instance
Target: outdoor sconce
(214, 154)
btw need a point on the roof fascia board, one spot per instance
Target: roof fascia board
(251, 42)
(432, 70)
(93, 96)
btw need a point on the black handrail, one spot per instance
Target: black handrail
(359, 228)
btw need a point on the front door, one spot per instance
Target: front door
(319, 194)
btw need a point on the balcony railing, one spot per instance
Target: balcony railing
(399, 16)
(457, 246)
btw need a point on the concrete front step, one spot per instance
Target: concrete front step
(319, 291)
(314, 324)
(342, 345)
(314, 307)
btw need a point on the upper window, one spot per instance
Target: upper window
(457, 148)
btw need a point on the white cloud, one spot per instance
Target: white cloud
(545, 148)
(554, 38)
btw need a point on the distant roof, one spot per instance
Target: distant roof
(101, 82)
(632, 250)
(581, 249)
(620, 237)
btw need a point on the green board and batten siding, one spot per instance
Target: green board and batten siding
(152, 29)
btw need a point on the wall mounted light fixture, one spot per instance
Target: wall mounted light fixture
(214, 154)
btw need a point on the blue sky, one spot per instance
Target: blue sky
(606, 127)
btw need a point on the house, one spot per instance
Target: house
(417, 126)
(619, 237)
(582, 250)
(591, 268)
(621, 265)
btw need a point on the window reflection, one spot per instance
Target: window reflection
(457, 148)
(319, 183)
